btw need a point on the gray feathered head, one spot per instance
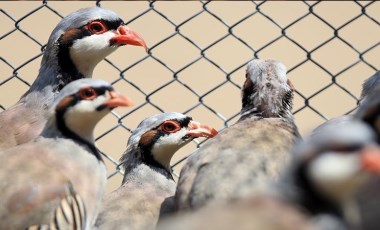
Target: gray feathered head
(267, 90)
(151, 123)
(80, 18)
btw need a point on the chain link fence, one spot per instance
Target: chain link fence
(197, 55)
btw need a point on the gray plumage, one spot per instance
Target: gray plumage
(72, 52)
(370, 85)
(368, 197)
(329, 169)
(250, 154)
(147, 188)
(37, 175)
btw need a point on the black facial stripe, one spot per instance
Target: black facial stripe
(146, 148)
(67, 68)
(184, 122)
(148, 159)
(347, 148)
(61, 126)
(309, 197)
(113, 25)
(101, 90)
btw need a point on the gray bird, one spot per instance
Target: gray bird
(369, 199)
(314, 192)
(248, 155)
(329, 169)
(148, 186)
(77, 44)
(37, 175)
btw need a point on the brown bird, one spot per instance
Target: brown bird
(77, 44)
(148, 186)
(248, 155)
(316, 191)
(37, 175)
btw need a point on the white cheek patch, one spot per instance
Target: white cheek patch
(82, 117)
(337, 175)
(87, 52)
(165, 147)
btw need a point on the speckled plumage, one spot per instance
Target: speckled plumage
(248, 155)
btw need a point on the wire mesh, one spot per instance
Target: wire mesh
(329, 48)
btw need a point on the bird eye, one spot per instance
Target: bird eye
(97, 27)
(170, 126)
(87, 93)
(347, 149)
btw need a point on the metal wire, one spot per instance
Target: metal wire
(257, 10)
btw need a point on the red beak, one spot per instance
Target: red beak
(126, 36)
(117, 100)
(370, 157)
(197, 129)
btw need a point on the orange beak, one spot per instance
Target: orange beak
(117, 100)
(126, 36)
(197, 129)
(370, 157)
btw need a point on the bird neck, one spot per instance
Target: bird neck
(266, 98)
(56, 71)
(266, 106)
(57, 123)
(134, 157)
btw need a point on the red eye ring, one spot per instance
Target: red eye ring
(87, 93)
(170, 126)
(97, 27)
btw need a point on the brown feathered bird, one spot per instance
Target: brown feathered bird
(245, 157)
(77, 44)
(148, 186)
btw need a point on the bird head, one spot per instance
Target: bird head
(80, 41)
(336, 164)
(82, 104)
(160, 136)
(267, 90)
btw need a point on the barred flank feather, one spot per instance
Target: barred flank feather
(69, 215)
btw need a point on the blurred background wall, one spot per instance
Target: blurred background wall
(197, 58)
